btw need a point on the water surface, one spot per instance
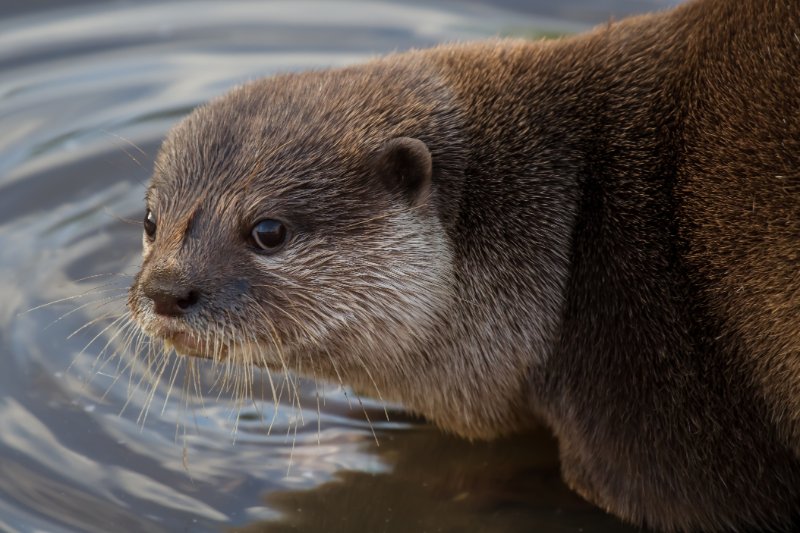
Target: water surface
(86, 94)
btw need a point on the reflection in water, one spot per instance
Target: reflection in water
(86, 94)
(440, 483)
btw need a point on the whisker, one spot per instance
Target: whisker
(124, 220)
(90, 323)
(369, 422)
(110, 340)
(124, 330)
(173, 376)
(120, 372)
(145, 374)
(374, 384)
(100, 303)
(160, 368)
(112, 324)
(339, 377)
(104, 316)
(129, 142)
(195, 373)
(69, 298)
(105, 274)
(134, 334)
(316, 394)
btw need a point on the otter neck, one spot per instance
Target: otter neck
(587, 163)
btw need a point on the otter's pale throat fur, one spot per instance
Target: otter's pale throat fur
(601, 232)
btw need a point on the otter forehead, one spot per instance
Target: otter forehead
(311, 127)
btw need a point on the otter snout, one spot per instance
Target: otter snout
(170, 297)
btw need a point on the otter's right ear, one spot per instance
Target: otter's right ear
(405, 166)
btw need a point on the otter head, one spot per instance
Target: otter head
(300, 223)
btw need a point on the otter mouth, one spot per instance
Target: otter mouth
(184, 344)
(188, 345)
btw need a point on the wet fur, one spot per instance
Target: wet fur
(610, 242)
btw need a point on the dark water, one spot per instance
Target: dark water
(86, 94)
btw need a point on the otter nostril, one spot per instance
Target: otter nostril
(191, 298)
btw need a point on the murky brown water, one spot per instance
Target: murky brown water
(86, 94)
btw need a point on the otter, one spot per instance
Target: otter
(600, 232)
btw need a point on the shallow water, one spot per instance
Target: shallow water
(86, 94)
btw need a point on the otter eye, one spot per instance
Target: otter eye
(269, 234)
(150, 224)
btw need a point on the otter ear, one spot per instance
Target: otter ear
(405, 166)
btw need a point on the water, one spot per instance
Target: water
(86, 94)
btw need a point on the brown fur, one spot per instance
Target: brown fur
(608, 239)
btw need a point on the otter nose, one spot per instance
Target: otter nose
(171, 299)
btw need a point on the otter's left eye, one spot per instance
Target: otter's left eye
(150, 224)
(269, 234)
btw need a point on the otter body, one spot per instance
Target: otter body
(601, 232)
